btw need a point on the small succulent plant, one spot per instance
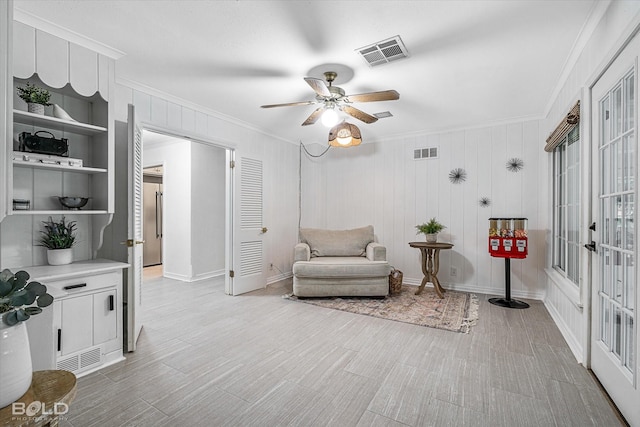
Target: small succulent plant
(430, 227)
(34, 94)
(58, 234)
(17, 296)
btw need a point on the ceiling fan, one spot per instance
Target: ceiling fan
(333, 97)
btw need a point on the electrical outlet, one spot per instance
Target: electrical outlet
(453, 272)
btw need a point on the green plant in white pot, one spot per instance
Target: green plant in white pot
(58, 237)
(35, 97)
(19, 300)
(430, 230)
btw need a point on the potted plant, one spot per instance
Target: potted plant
(35, 97)
(430, 230)
(58, 237)
(17, 299)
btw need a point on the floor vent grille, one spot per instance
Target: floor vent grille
(384, 51)
(91, 357)
(70, 364)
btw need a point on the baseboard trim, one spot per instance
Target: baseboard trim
(279, 277)
(479, 289)
(197, 278)
(572, 341)
(209, 275)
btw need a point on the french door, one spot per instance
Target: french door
(614, 333)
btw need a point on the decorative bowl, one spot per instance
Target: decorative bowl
(73, 202)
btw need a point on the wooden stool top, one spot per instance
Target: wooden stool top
(51, 390)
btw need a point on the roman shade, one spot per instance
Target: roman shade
(564, 127)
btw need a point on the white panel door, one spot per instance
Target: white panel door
(76, 324)
(248, 228)
(133, 295)
(614, 333)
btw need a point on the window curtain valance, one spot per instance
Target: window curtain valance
(564, 127)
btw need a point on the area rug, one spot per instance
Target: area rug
(456, 312)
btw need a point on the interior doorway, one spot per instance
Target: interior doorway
(185, 206)
(152, 214)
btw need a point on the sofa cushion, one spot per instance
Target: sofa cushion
(340, 267)
(337, 242)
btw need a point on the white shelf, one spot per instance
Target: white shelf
(75, 169)
(39, 120)
(59, 212)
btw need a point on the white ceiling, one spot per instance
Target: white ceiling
(471, 62)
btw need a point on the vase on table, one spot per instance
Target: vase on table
(15, 362)
(431, 237)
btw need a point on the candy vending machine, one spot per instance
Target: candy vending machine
(508, 239)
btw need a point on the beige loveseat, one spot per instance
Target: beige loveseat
(340, 263)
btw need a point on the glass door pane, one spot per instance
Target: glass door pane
(617, 163)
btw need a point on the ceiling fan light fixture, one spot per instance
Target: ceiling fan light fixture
(344, 140)
(330, 117)
(345, 135)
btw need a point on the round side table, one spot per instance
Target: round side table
(52, 391)
(430, 264)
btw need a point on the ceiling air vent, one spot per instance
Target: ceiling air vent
(384, 51)
(425, 153)
(383, 114)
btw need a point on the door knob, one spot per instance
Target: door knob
(591, 246)
(264, 230)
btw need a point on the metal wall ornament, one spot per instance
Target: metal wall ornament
(484, 202)
(458, 175)
(515, 164)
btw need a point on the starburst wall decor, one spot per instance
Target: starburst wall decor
(484, 202)
(515, 165)
(458, 175)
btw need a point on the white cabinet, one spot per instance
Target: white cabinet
(82, 330)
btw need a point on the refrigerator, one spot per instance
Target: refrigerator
(152, 222)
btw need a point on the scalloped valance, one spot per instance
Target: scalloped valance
(564, 127)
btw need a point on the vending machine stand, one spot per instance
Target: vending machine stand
(507, 301)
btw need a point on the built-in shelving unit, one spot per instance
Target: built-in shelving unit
(38, 120)
(40, 181)
(58, 212)
(75, 169)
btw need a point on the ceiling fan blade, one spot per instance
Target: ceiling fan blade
(289, 104)
(318, 85)
(385, 95)
(358, 114)
(313, 117)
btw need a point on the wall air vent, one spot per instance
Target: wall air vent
(425, 153)
(383, 114)
(384, 51)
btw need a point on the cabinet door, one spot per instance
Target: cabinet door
(105, 319)
(76, 324)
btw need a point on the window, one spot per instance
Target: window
(566, 205)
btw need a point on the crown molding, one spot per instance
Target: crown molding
(141, 87)
(65, 34)
(437, 131)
